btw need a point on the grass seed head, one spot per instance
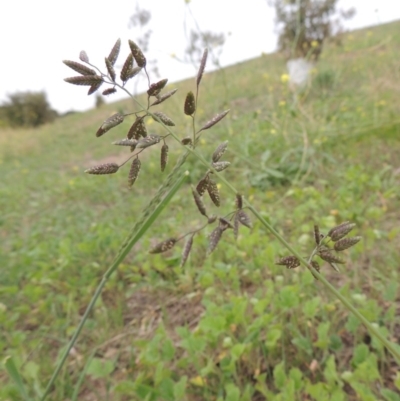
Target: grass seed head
(83, 56)
(186, 141)
(106, 168)
(317, 235)
(110, 69)
(186, 250)
(78, 67)
(340, 231)
(290, 262)
(236, 225)
(214, 120)
(137, 54)
(112, 57)
(219, 151)
(214, 239)
(202, 67)
(213, 192)
(239, 201)
(150, 140)
(199, 202)
(84, 80)
(126, 68)
(202, 185)
(225, 224)
(329, 257)
(346, 243)
(125, 142)
(164, 97)
(164, 246)
(220, 166)
(155, 88)
(108, 91)
(111, 122)
(94, 87)
(138, 129)
(244, 218)
(190, 104)
(164, 156)
(159, 116)
(134, 171)
(212, 219)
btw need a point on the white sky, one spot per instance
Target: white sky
(36, 35)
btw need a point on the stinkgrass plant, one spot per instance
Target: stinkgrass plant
(138, 140)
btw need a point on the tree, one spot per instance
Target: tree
(304, 25)
(29, 109)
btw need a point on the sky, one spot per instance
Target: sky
(35, 36)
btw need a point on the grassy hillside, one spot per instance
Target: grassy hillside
(234, 325)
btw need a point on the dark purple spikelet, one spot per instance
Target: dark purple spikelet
(84, 80)
(156, 88)
(109, 91)
(244, 218)
(161, 117)
(346, 243)
(239, 201)
(126, 68)
(78, 67)
(186, 250)
(164, 156)
(214, 239)
(202, 185)
(138, 129)
(219, 151)
(164, 97)
(137, 54)
(112, 57)
(190, 104)
(94, 87)
(111, 122)
(220, 166)
(164, 246)
(213, 192)
(110, 69)
(106, 168)
(290, 262)
(150, 140)
(187, 141)
(214, 120)
(202, 67)
(83, 56)
(134, 171)
(340, 231)
(199, 202)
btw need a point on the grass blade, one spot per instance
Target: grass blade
(15, 375)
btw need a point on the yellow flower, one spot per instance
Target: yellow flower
(273, 132)
(284, 78)
(265, 76)
(314, 44)
(282, 103)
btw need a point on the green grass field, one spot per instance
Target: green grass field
(232, 326)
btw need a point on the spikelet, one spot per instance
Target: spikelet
(186, 250)
(236, 225)
(164, 156)
(214, 238)
(340, 231)
(290, 262)
(138, 129)
(219, 151)
(213, 192)
(158, 116)
(133, 72)
(106, 168)
(155, 89)
(315, 265)
(148, 141)
(78, 67)
(244, 218)
(84, 80)
(161, 98)
(126, 68)
(202, 67)
(83, 56)
(110, 69)
(137, 54)
(164, 246)
(94, 87)
(108, 91)
(202, 185)
(224, 224)
(220, 166)
(239, 201)
(317, 235)
(190, 104)
(134, 171)
(125, 142)
(329, 257)
(187, 141)
(111, 122)
(214, 120)
(199, 202)
(346, 243)
(212, 219)
(112, 57)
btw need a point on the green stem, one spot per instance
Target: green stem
(132, 240)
